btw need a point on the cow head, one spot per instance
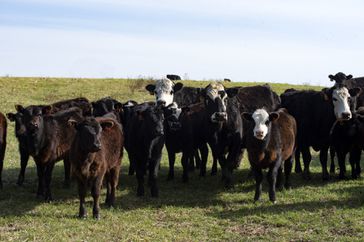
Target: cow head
(172, 114)
(343, 100)
(89, 132)
(153, 117)
(215, 98)
(32, 116)
(262, 122)
(340, 77)
(17, 117)
(164, 90)
(104, 106)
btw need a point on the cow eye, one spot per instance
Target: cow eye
(172, 92)
(267, 122)
(334, 99)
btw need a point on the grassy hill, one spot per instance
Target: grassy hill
(200, 210)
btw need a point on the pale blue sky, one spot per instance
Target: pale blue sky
(263, 40)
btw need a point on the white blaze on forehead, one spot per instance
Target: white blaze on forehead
(163, 91)
(213, 90)
(340, 98)
(260, 117)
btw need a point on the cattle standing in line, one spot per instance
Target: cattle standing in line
(95, 155)
(144, 142)
(270, 141)
(3, 132)
(183, 133)
(164, 90)
(20, 129)
(315, 113)
(49, 139)
(348, 137)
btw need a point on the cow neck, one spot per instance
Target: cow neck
(37, 141)
(257, 147)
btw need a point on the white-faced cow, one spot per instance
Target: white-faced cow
(164, 90)
(315, 113)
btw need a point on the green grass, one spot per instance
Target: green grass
(198, 211)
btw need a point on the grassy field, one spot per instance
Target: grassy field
(198, 211)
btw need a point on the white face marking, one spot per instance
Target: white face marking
(129, 104)
(213, 93)
(260, 117)
(176, 111)
(164, 91)
(340, 99)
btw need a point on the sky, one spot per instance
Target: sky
(287, 41)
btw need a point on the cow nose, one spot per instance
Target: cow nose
(345, 115)
(259, 133)
(221, 115)
(161, 103)
(34, 125)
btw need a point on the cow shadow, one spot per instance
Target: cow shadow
(19, 200)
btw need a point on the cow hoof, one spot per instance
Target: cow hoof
(82, 216)
(96, 216)
(48, 199)
(274, 201)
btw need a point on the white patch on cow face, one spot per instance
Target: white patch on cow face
(176, 110)
(129, 104)
(215, 92)
(261, 119)
(164, 92)
(340, 99)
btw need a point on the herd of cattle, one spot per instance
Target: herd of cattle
(90, 136)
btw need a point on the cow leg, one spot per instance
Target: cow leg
(272, 179)
(258, 183)
(140, 172)
(279, 184)
(204, 154)
(197, 159)
(82, 194)
(24, 157)
(191, 163)
(113, 183)
(40, 173)
(185, 157)
(132, 165)
(354, 159)
(171, 160)
(95, 192)
(306, 156)
(67, 173)
(323, 160)
(2, 154)
(153, 174)
(214, 166)
(48, 179)
(341, 160)
(287, 172)
(297, 168)
(107, 179)
(332, 157)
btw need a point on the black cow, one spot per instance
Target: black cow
(315, 113)
(105, 105)
(183, 133)
(48, 139)
(348, 137)
(144, 142)
(20, 130)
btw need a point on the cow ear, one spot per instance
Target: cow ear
(72, 122)
(348, 77)
(355, 91)
(326, 94)
(247, 116)
(19, 108)
(178, 86)
(150, 88)
(11, 116)
(273, 116)
(118, 107)
(46, 110)
(232, 92)
(331, 77)
(107, 124)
